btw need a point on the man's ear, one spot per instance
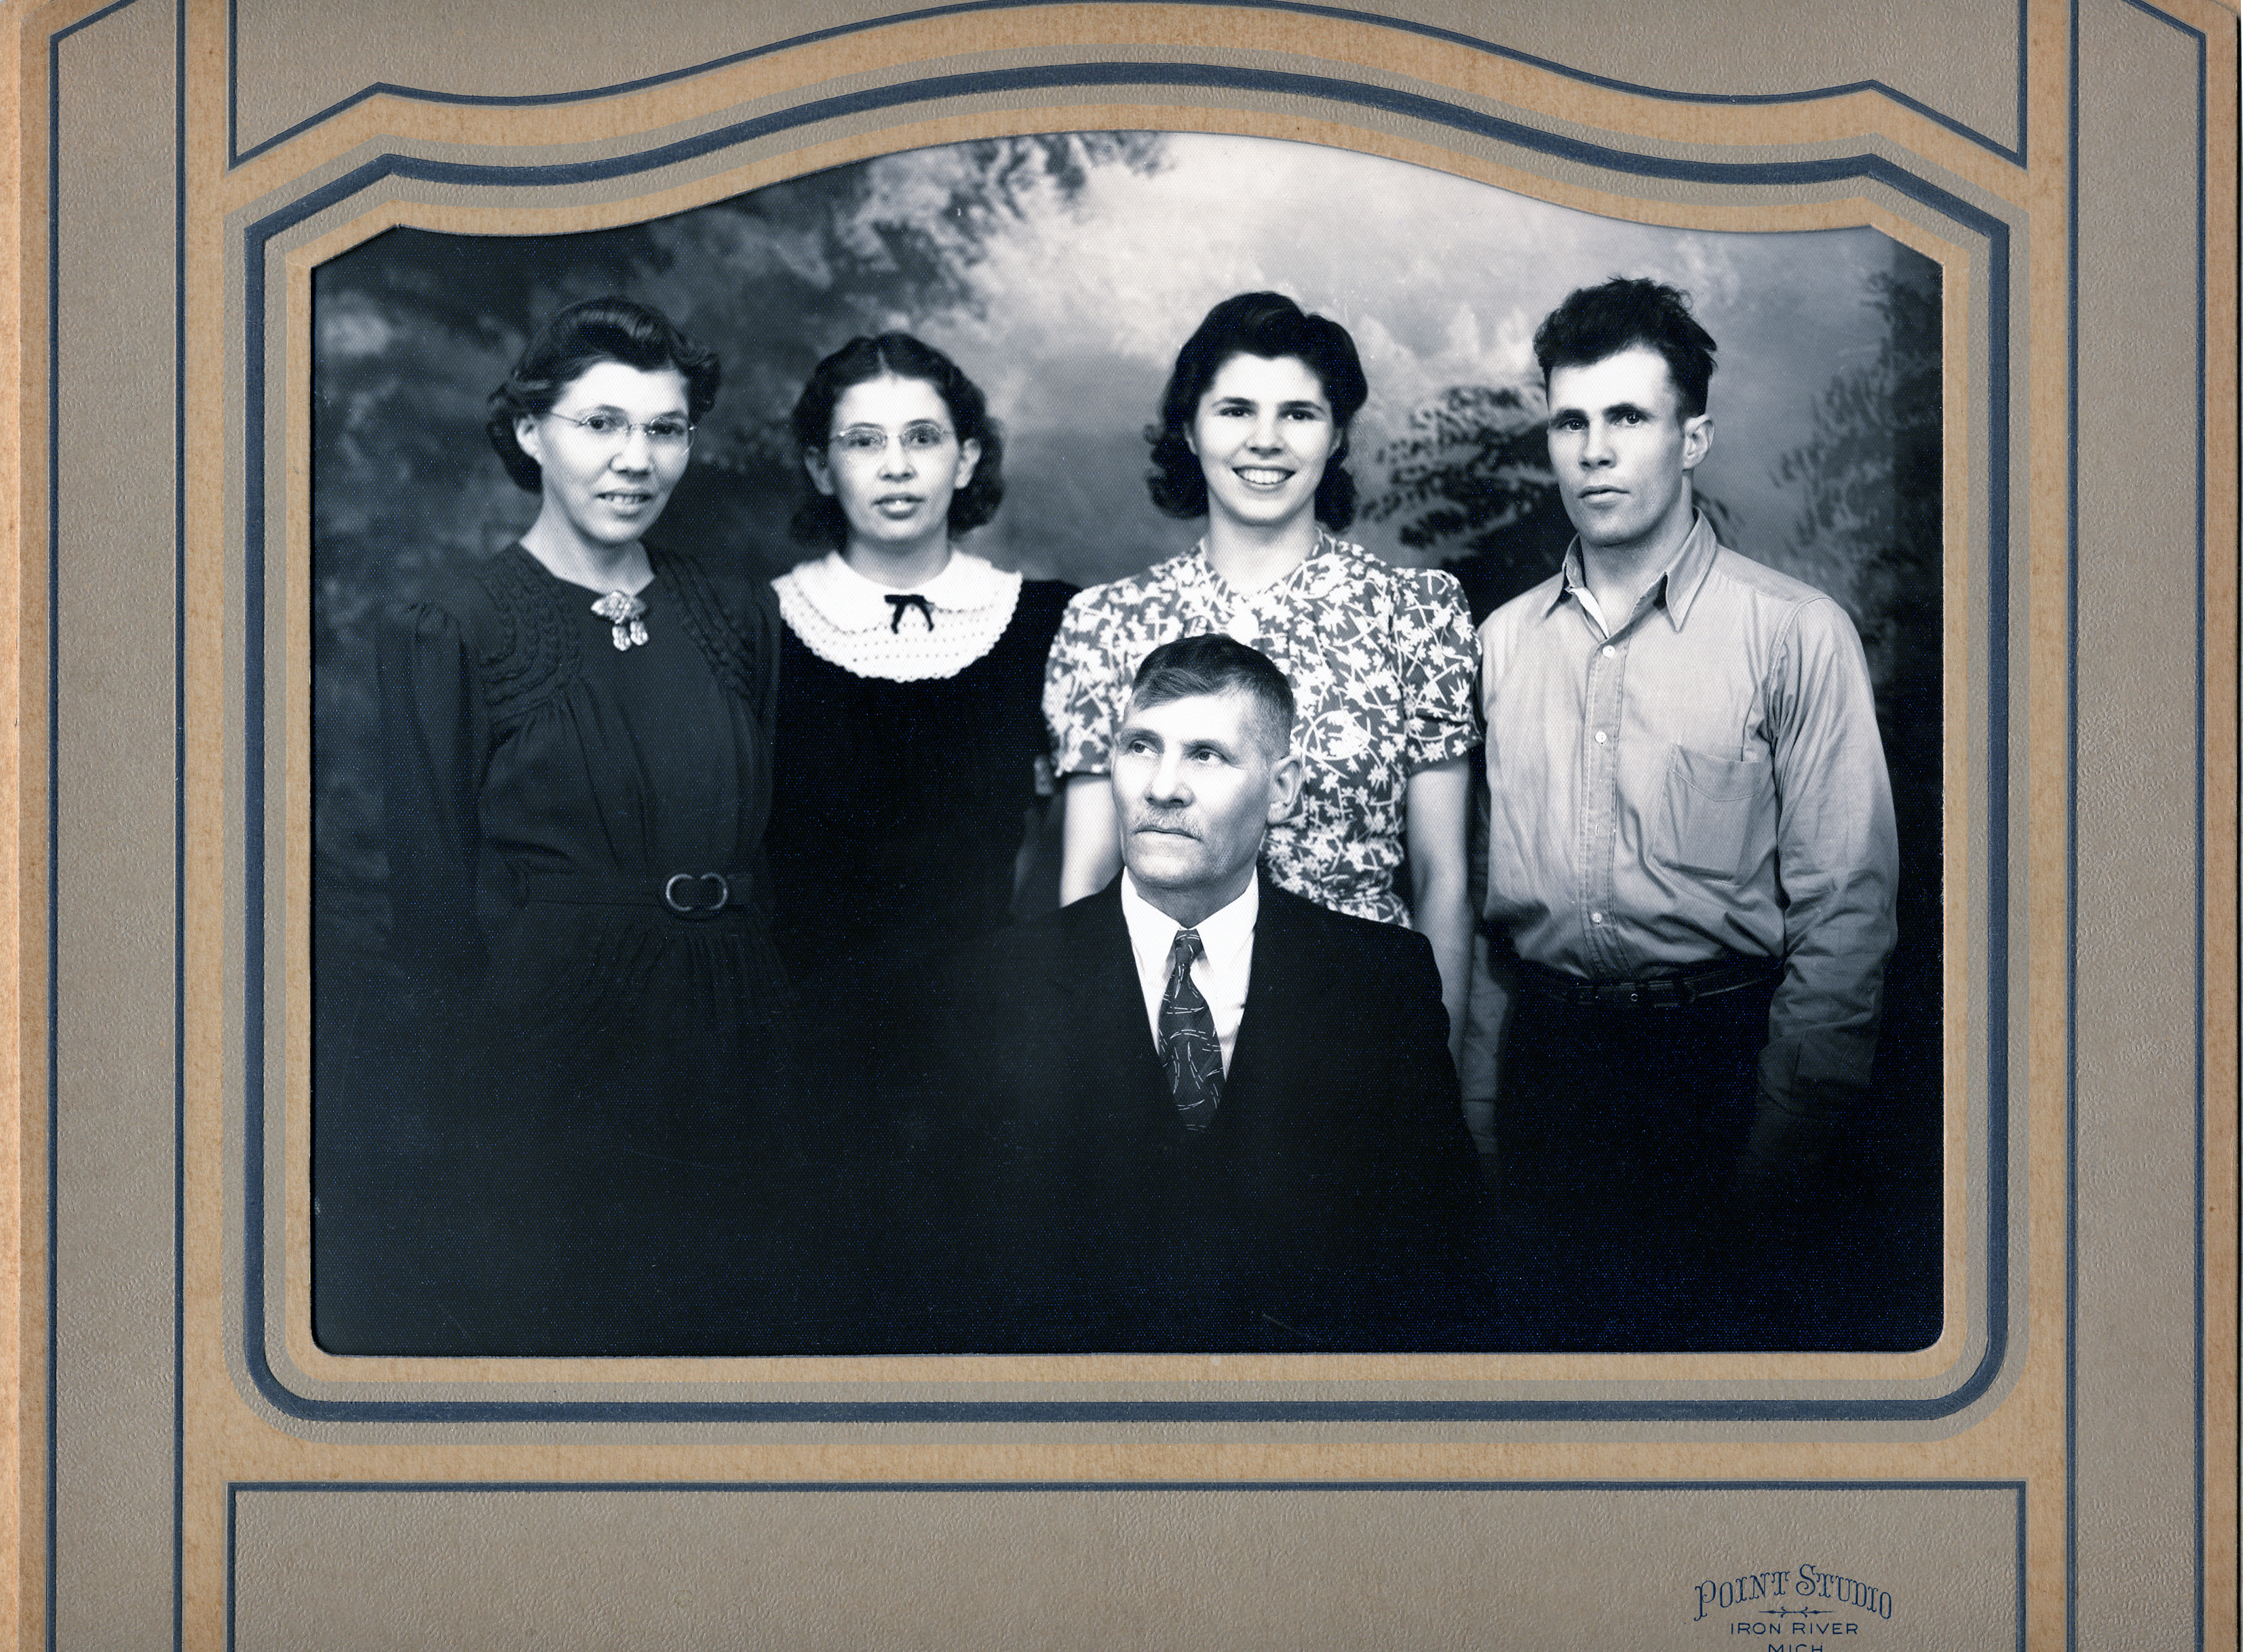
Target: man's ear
(1285, 777)
(1697, 436)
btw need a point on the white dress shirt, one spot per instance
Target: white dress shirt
(1226, 960)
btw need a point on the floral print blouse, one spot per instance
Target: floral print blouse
(1383, 662)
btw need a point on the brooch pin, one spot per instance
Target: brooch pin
(622, 612)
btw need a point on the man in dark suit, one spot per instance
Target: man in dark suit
(1214, 1116)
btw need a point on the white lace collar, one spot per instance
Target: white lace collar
(939, 629)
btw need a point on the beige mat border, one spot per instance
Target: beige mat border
(2020, 1438)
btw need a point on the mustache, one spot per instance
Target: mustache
(1174, 824)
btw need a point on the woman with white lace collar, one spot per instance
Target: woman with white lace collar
(911, 763)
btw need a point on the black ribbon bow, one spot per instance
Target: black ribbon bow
(911, 599)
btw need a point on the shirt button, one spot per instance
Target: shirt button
(1609, 650)
(1596, 917)
(1600, 736)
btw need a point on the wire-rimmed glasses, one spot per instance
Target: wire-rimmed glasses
(665, 432)
(869, 442)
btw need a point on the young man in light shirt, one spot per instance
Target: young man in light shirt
(1692, 851)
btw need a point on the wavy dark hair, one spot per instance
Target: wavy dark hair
(1271, 325)
(819, 519)
(576, 339)
(1598, 321)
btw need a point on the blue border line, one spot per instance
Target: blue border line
(237, 155)
(179, 826)
(2072, 838)
(2203, 437)
(235, 1489)
(2021, 1591)
(234, 1506)
(2071, 850)
(54, 698)
(1851, 169)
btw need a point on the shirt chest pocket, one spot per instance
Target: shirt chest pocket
(1717, 819)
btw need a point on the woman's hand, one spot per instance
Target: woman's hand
(1090, 852)
(1436, 802)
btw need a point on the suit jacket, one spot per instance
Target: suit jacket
(1333, 1203)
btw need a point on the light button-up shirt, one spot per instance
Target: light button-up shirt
(1706, 781)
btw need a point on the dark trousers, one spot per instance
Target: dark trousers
(1618, 1131)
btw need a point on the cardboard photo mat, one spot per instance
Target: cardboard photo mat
(185, 167)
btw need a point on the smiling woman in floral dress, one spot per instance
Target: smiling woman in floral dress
(1382, 660)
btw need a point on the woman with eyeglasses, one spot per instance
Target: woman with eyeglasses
(911, 757)
(1382, 660)
(577, 773)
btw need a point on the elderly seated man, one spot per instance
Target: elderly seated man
(1209, 1115)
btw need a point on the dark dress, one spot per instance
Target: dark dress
(594, 1070)
(899, 807)
(896, 821)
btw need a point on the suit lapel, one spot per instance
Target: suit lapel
(1108, 1004)
(1287, 980)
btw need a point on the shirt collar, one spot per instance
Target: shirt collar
(850, 601)
(1152, 931)
(1682, 578)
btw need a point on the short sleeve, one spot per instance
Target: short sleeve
(1438, 654)
(1084, 679)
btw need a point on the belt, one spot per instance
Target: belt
(1675, 989)
(682, 894)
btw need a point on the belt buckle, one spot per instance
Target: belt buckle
(697, 909)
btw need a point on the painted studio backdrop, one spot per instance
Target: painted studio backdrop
(1062, 272)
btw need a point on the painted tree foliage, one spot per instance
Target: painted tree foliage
(1471, 476)
(1869, 477)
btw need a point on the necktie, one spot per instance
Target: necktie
(1189, 1049)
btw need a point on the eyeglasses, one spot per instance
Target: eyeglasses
(870, 441)
(664, 434)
